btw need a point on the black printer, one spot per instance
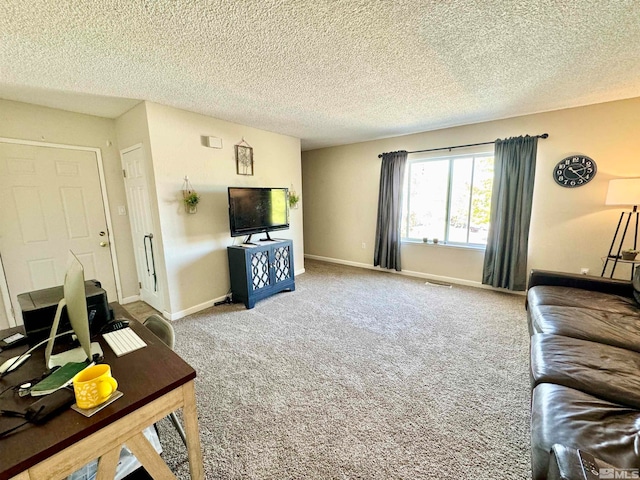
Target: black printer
(39, 310)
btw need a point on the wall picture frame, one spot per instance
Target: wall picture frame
(244, 159)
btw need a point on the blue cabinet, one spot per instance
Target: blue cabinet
(258, 272)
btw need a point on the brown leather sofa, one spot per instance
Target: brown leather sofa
(585, 370)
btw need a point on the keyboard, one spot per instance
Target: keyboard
(124, 341)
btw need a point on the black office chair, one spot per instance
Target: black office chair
(164, 331)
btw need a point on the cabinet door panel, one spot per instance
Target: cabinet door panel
(282, 263)
(260, 266)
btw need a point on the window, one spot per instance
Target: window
(448, 198)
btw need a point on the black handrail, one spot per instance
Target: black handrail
(153, 260)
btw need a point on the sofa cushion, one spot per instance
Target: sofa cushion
(610, 373)
(579, 420)
(636, 283)
(577, 297)
(617, 329)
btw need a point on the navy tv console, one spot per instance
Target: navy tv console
(259, 271)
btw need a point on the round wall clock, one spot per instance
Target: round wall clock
(574, 171)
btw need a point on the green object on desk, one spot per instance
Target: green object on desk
(58, 379)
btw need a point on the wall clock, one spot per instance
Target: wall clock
(574, 171)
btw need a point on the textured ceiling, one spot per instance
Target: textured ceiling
(328, 72)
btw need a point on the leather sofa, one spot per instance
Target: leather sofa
(585, 370)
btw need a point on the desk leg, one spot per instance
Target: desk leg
(107, 464)
(191, 429)
(148, 457)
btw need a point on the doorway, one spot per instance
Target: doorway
(142, 229)
(52, 200)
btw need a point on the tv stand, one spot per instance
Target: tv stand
(259, 272)
(266, 239)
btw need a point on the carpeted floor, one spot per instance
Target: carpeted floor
(360, 375)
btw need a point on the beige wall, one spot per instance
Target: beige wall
(195, 245)
(570, 228)
(132, 129)
(4, 321)
(31, 122)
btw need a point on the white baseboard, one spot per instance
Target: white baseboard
(341, 262)
(207, 304)
(194, 309)
(409, 273)
(131, 299)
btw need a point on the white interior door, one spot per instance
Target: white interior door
(51, 202)
(142, 229)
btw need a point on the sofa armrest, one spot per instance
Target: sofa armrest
(565, 464)
(623, 288)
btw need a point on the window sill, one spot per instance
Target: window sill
(445, 245)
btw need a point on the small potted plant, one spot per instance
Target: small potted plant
(191, 200)
(294, 198)
(629, 254)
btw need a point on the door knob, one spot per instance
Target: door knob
(104, 244)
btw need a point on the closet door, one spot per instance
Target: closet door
(142, 230)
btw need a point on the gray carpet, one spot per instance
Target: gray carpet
(360, 374)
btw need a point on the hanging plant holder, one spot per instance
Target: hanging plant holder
(189, 196)
(294, 198)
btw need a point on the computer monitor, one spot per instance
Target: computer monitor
(75, 301)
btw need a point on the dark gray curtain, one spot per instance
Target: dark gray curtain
(387, 251)
(505, 259)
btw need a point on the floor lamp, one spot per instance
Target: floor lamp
(622, 191)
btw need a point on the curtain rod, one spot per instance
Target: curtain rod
(544, 135)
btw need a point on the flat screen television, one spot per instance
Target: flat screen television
(257, 210)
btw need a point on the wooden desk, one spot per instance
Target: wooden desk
(155, 382)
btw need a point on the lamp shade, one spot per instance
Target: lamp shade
(623, 191)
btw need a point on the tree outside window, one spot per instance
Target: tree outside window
(449, 198)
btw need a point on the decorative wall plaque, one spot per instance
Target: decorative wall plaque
(244, 158)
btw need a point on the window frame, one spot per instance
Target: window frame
(407, 194)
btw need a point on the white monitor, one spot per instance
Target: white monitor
(75, 301)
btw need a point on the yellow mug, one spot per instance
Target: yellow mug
(93, 386)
